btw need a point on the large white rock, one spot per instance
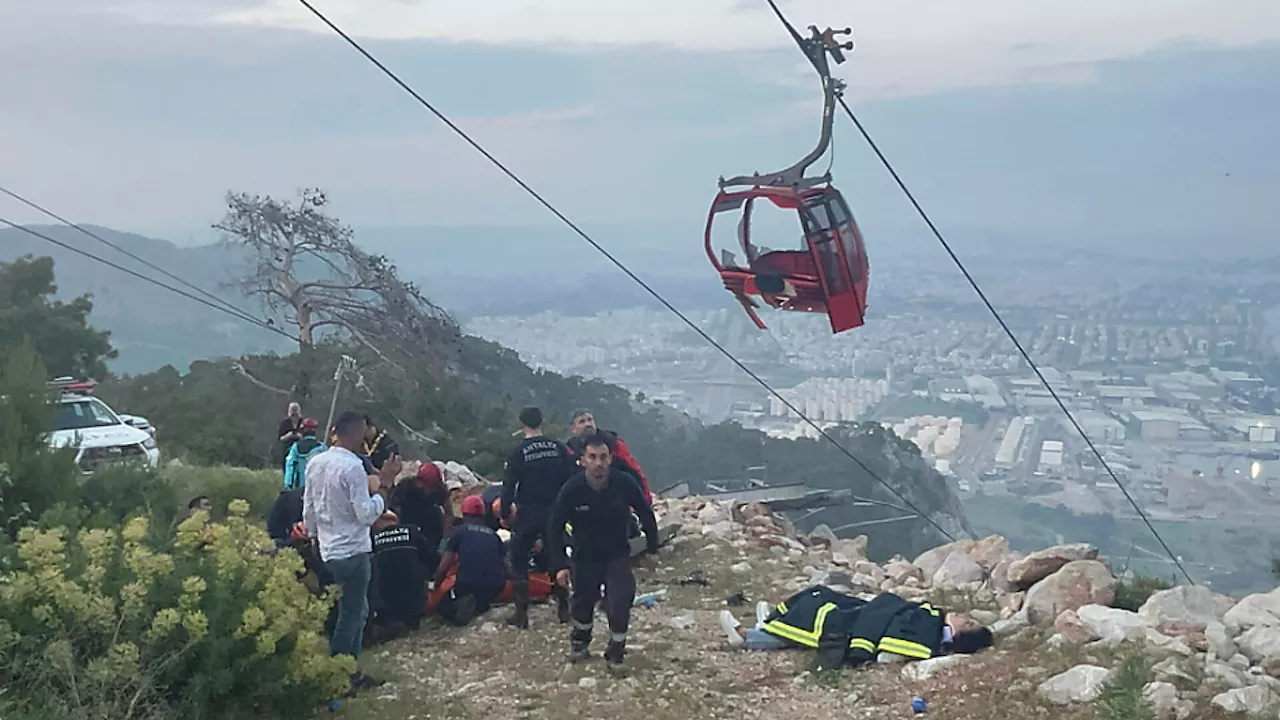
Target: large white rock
(1257, 609)
(1164, 701)
(957, 569)
(1256, 701)
(1112, 625)
(1193, 604)
(1219, 640)
(925, 669)
(1078, 583)
(1080, 684)
(930, 560)
(1260, 642)
(1011, 625)
(1028, 571)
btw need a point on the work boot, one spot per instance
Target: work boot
(579, 645)
(520, 618)
(613, 657)
(562, 604)
(464, 611)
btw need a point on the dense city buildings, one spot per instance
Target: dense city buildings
(1173, 381)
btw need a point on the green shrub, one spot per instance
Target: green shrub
(33, 478)
(1122, 698)
(224, 484)
(108, 623)
(1133, 591)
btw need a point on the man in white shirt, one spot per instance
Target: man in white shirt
(340, 504)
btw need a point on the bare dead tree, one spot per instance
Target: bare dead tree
(308, 273)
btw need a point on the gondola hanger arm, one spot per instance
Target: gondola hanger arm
(820, 46)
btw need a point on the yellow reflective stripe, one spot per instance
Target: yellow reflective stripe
(905, 648)
(787, 632)
(861, 644)
(795, 634)
(782, 608)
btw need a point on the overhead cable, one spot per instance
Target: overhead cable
(610, 257)
(1000, 320)
(71, 248)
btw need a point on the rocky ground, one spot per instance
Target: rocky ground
(1061, 652)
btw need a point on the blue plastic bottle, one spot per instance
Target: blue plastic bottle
(918, 705)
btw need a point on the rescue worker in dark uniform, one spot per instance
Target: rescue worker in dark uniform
(492, 499)
(583, 425)
(846, 630)
(475, 552)
(534, 473)
(597, 502)
(378, 445)
(403, 564)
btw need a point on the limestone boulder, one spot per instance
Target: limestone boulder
(1028, 571)
(1193, 604)
(1076, 584)
(1068, 626)
(1260, 642)
(989, 552)
(958, 569)
(1257, 609)
(1110, 624)
(1165, 703)
(1080, 684)
(1255, 701)
(930, 561)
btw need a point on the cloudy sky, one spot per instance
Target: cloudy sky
(1107, 118)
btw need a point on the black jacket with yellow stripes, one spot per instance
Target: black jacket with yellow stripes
(847, 630)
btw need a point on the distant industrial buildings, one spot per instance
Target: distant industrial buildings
(830, 399)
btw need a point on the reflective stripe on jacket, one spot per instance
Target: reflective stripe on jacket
(855, 629)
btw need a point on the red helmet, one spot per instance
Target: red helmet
(472, 505)
(429, 474)
(310, 424)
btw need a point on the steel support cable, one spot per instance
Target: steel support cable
(1012, 337)
(609, 256)
(213, 298)
(153, 281)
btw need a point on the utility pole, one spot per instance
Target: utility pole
(346, 363)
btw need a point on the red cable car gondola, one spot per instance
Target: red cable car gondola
(829, 274)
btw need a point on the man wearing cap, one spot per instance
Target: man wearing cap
(532, 477)
(306, 447)
(476, 551)
(583, 425)
(424, 503)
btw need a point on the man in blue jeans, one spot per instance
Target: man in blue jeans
(340, 504)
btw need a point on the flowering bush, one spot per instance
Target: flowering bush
(114, 623)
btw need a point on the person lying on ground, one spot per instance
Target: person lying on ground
(847, 630)
(481, 575)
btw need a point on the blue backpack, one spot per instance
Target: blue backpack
(295, 468)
